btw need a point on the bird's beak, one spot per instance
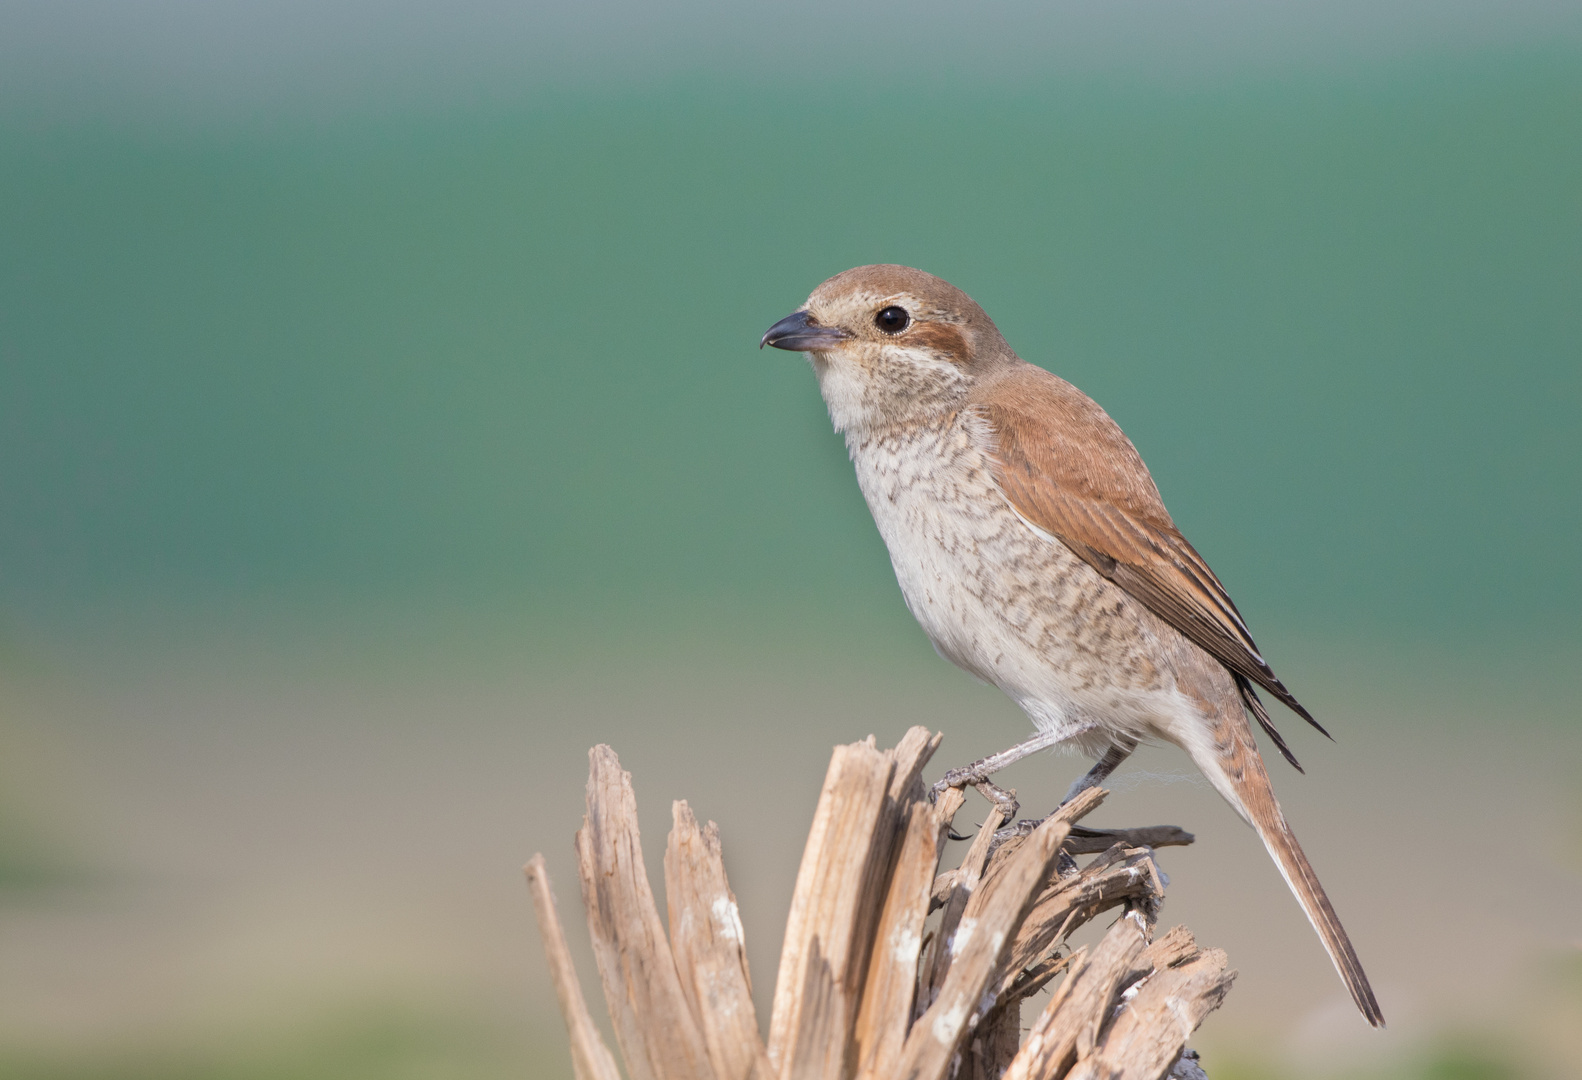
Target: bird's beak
(796, 333)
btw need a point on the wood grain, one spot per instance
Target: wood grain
(976, 948)
(885, 1014)
(860, 994)
(1092, 841)
(658, 1035)
(709, 945)
(1146, 1037)
(836, 888)
(964, 882)
(1077, 1009)
(590, 1058)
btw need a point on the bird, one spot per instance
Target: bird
(1031, 544)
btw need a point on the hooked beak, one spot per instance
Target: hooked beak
(795, 333)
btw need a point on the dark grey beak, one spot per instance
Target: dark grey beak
(796, 333)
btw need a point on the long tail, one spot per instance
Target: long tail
(1230, 760)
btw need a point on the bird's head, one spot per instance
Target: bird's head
(891, 345)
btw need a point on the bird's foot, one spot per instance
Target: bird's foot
(1027, 826)
(977, 776)
(1004, 798)
(956, 778)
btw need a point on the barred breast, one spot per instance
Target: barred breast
(1012, 606)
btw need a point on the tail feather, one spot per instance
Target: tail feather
(1298, 874)
(1233, 765)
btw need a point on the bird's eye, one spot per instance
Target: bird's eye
(892, 320)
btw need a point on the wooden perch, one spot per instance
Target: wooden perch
(867, 989)
(590, 1058)
(710, 947)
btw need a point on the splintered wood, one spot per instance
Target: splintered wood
(867, 988)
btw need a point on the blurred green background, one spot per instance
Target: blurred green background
(381, 424)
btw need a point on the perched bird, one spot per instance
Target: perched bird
(1032, 545)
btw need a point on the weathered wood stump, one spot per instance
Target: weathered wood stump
(871, 985)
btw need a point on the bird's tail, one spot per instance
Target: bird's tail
(1231, 762)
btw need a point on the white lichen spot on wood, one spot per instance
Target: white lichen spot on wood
(728, 920)
(947, 1025)
(905, 944)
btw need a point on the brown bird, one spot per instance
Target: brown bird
(1030, 542)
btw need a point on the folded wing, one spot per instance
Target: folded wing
(1069, 470)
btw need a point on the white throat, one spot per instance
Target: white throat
(884, 388)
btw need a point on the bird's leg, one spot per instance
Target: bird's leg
(1112, 759)
(980, 771)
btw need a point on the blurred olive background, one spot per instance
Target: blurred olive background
(383, 425)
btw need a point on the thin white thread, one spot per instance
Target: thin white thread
(1132, 779)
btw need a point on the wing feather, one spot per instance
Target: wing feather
(1067, 468)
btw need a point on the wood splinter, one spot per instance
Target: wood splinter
(858, 995)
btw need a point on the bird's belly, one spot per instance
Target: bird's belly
(1012, 607)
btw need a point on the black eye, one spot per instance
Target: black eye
(892, 320)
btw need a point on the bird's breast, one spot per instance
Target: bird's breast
(1016, 608)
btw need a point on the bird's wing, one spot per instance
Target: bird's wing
(1070, 471)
